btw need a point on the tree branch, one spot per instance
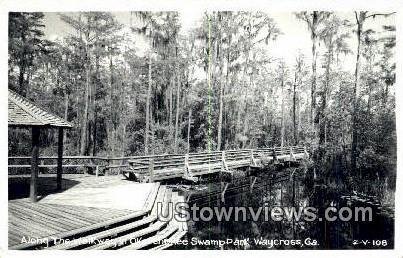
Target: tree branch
(379, 14)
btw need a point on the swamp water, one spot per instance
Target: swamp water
(283, 190)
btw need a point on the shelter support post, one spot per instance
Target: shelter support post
(59, 160)
(151, 170)
(33, 191)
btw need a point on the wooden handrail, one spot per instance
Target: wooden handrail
(154, 156)
(159, 158)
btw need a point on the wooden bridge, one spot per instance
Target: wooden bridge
(193, 166)
(151, 168)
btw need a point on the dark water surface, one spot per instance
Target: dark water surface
(285, 188)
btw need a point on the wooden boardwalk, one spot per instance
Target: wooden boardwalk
(111, 208)
(194, 165)
(80, 205)
(92, 210)
(38, 220)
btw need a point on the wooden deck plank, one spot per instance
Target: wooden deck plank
(30, 220)
(82, 215)
(151, 198)
(60, 235)
(40, 219)
(56, 220)
(13, 238)
(159, 199)
(63, 213)
(31, 228)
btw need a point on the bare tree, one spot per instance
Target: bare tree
(313, 20)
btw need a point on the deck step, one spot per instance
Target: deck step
(179, 234)
(104, 234)
(127, 239)
(142, 230)
(171, 229)
(76, 233)
(164, 196)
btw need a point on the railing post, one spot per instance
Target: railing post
(224, 163)
(252, 183)
(59, 170)
(292, 158)
(274, 154)
(252, 159)
(91, 165)
(151, 170)
(186, 172)
(306, 153)
(108, 163)
(34, 164)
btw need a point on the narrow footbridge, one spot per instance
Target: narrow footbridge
(194, 165)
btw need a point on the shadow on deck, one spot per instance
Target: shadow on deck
(89, 208)
(18, 186)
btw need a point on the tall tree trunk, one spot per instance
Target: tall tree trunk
(370, 87)
(189, 125)
(147, 129)
(246, 122)
(178, 84)
(66, 112)
(22, 68)
(360, 20)
(83, 144)
(124, 139)
(322, 110)
(385, 95)
(299, 128)
(294, 100)
(314, 38)
(238, 122)
(220, 115)
(369, 103)
(282, 112)
(170, 94)
(152, 131)
(171, 110)
(22, 89)
(245, 126)
(110, 127)
(94, 108)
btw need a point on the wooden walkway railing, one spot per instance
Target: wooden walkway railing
(191, 166)
(166, 166)
(90, 163)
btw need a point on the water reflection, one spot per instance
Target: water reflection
(282, 189)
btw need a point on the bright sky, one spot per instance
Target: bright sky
(295, 37)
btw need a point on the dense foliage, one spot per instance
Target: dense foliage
(215, 87)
